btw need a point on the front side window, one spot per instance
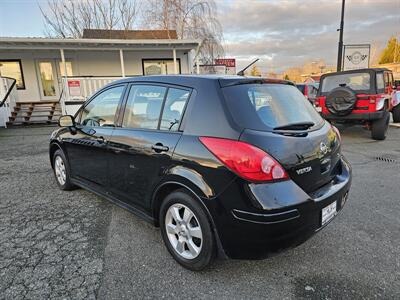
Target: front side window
(13, 69)
(356, 81)
(312, 91)
(173, 109)
(388, 78)
(143, 107)
(101, 110)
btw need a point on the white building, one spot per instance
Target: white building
(40, 64)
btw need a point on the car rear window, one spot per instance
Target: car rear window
(268, 106)
(356, 81)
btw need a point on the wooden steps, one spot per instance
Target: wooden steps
(27, 113)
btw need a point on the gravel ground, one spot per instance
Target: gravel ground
(75, 245)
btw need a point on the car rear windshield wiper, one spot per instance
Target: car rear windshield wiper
(295, 126)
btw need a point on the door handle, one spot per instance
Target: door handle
(159, 148)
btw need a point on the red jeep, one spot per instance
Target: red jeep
(364, 96)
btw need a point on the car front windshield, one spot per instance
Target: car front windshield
(355, 81)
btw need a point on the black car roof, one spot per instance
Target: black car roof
(194, 80)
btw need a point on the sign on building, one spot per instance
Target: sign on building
(229, 63)
(356, 57)
(74, 87)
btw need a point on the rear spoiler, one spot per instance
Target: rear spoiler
(252, 80)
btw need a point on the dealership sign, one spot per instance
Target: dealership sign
(229, 63)
(74, 87)
(356, 57)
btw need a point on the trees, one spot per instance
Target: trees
(391, 53)
(192, 19)
(68, 18)
(255, 71)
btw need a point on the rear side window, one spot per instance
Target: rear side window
(356, 81)
(268, 106)
(380, 83)
(173, 109)
(143, 107)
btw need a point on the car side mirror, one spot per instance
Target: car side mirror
(66, 121)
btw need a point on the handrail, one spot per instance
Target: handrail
(9, 90)
(84, 89)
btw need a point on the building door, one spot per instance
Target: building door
(48, 80)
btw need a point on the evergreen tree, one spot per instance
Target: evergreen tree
(391, 53)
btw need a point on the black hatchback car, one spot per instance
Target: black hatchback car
(233, 167)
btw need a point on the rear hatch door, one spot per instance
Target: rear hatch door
(278, 119)
(311, 159)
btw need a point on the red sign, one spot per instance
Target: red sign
(74, 87)
(74, 83)
(228, 62)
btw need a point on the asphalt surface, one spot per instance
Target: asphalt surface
(75, 245)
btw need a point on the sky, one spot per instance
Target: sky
(288, 33)
(281, 33)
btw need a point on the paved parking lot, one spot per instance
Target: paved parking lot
(74, 245)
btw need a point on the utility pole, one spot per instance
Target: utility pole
(340, 47)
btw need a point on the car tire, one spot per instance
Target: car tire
(380, 127)
(396, 113)
(341, 101)
(186, 231)
(62, 171)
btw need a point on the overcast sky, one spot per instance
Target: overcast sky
(281, 33)
(287, 33)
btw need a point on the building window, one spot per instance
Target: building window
(13, 69)
(160, 66)
(68, 64)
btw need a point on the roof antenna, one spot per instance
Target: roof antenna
(241, 72)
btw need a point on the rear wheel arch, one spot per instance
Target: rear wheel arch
(171, 186)
(167, 188)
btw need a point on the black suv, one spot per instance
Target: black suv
(231, 166)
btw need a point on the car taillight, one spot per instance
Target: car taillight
(247, 161)
(337, 133)
(380, 103)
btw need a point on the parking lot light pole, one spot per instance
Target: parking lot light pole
(340, 47)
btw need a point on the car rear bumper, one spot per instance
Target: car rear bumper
(257, 234)
(356, 117)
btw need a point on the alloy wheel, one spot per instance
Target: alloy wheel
(183, 231)
(59, 168)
